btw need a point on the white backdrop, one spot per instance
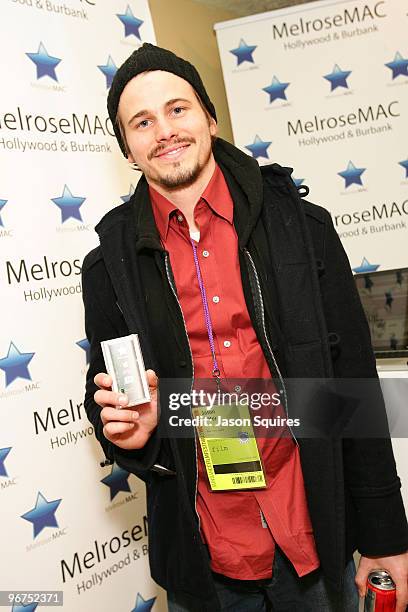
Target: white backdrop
(66, 522)
(323, 88)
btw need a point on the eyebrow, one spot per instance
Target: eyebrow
(144, 112)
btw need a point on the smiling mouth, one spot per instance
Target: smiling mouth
(172, 153)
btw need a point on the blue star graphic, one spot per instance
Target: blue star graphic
(298, 182)
(45, 63)
(365, 266)
(244, 52)
(399, 65)
(2, 204)
(352, 175)
(126, 198)
(131, 23)
(117, 481)
(259, 147)
(84, 344)
(28, 608)
(3, 454)
(43, 514)
(109, 70)
(276, 90)
(143, 605)
(338, 77)
(403, 163)
(69, 205)
(15, 365)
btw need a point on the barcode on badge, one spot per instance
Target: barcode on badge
(244, 479)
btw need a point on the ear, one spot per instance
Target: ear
(130, 158)
(213, 127)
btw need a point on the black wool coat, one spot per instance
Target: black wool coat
(307, 315)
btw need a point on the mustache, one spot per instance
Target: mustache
(162, 147)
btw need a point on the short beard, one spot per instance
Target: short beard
(181, 180)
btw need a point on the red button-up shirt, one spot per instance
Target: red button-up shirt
(241, 527)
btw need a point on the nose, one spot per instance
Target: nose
(165, 129)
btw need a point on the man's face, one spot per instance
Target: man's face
(167, 131)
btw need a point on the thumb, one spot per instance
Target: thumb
(151, 378)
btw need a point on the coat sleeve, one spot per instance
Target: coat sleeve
(369, 466)
(104, 321)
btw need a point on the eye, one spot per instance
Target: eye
(178, 110)
(143, 124)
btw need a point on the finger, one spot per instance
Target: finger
(361, 581)
(110, 414)
(151, 378)
(102, 380)
(114, 428)
(110, 398)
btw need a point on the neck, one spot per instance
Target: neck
(185, 198)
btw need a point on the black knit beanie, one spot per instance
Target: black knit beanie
(150, 57)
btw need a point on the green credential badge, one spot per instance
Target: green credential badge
(230, 451)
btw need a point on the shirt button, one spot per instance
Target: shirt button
(180, 218)
(227, 343)
(205, 253)
(216, 299)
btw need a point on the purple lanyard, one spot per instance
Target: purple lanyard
(207, 317)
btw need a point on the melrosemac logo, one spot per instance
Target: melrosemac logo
(276, 90)
(143, 605)
(69, 205)
(109, 70)
(2, 205)
(352, 175)
(125, 198)
(337, 77)
(45, 63)
(259, 148)
(85, 346)
(15, 364)
(398, 66)
(117, 481)
(365, 266)
(3, 455)
(352, 14)
(404, 164)
(28, 122)
(131, 23)
(244, 52)
(43, 514)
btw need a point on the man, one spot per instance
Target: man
(223, 271)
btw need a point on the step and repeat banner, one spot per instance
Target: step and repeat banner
(67, 524)
(323, 88)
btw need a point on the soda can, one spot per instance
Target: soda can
(381, 593)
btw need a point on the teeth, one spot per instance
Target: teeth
(173, 152)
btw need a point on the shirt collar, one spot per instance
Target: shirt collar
(162, 209)
(216, 195)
